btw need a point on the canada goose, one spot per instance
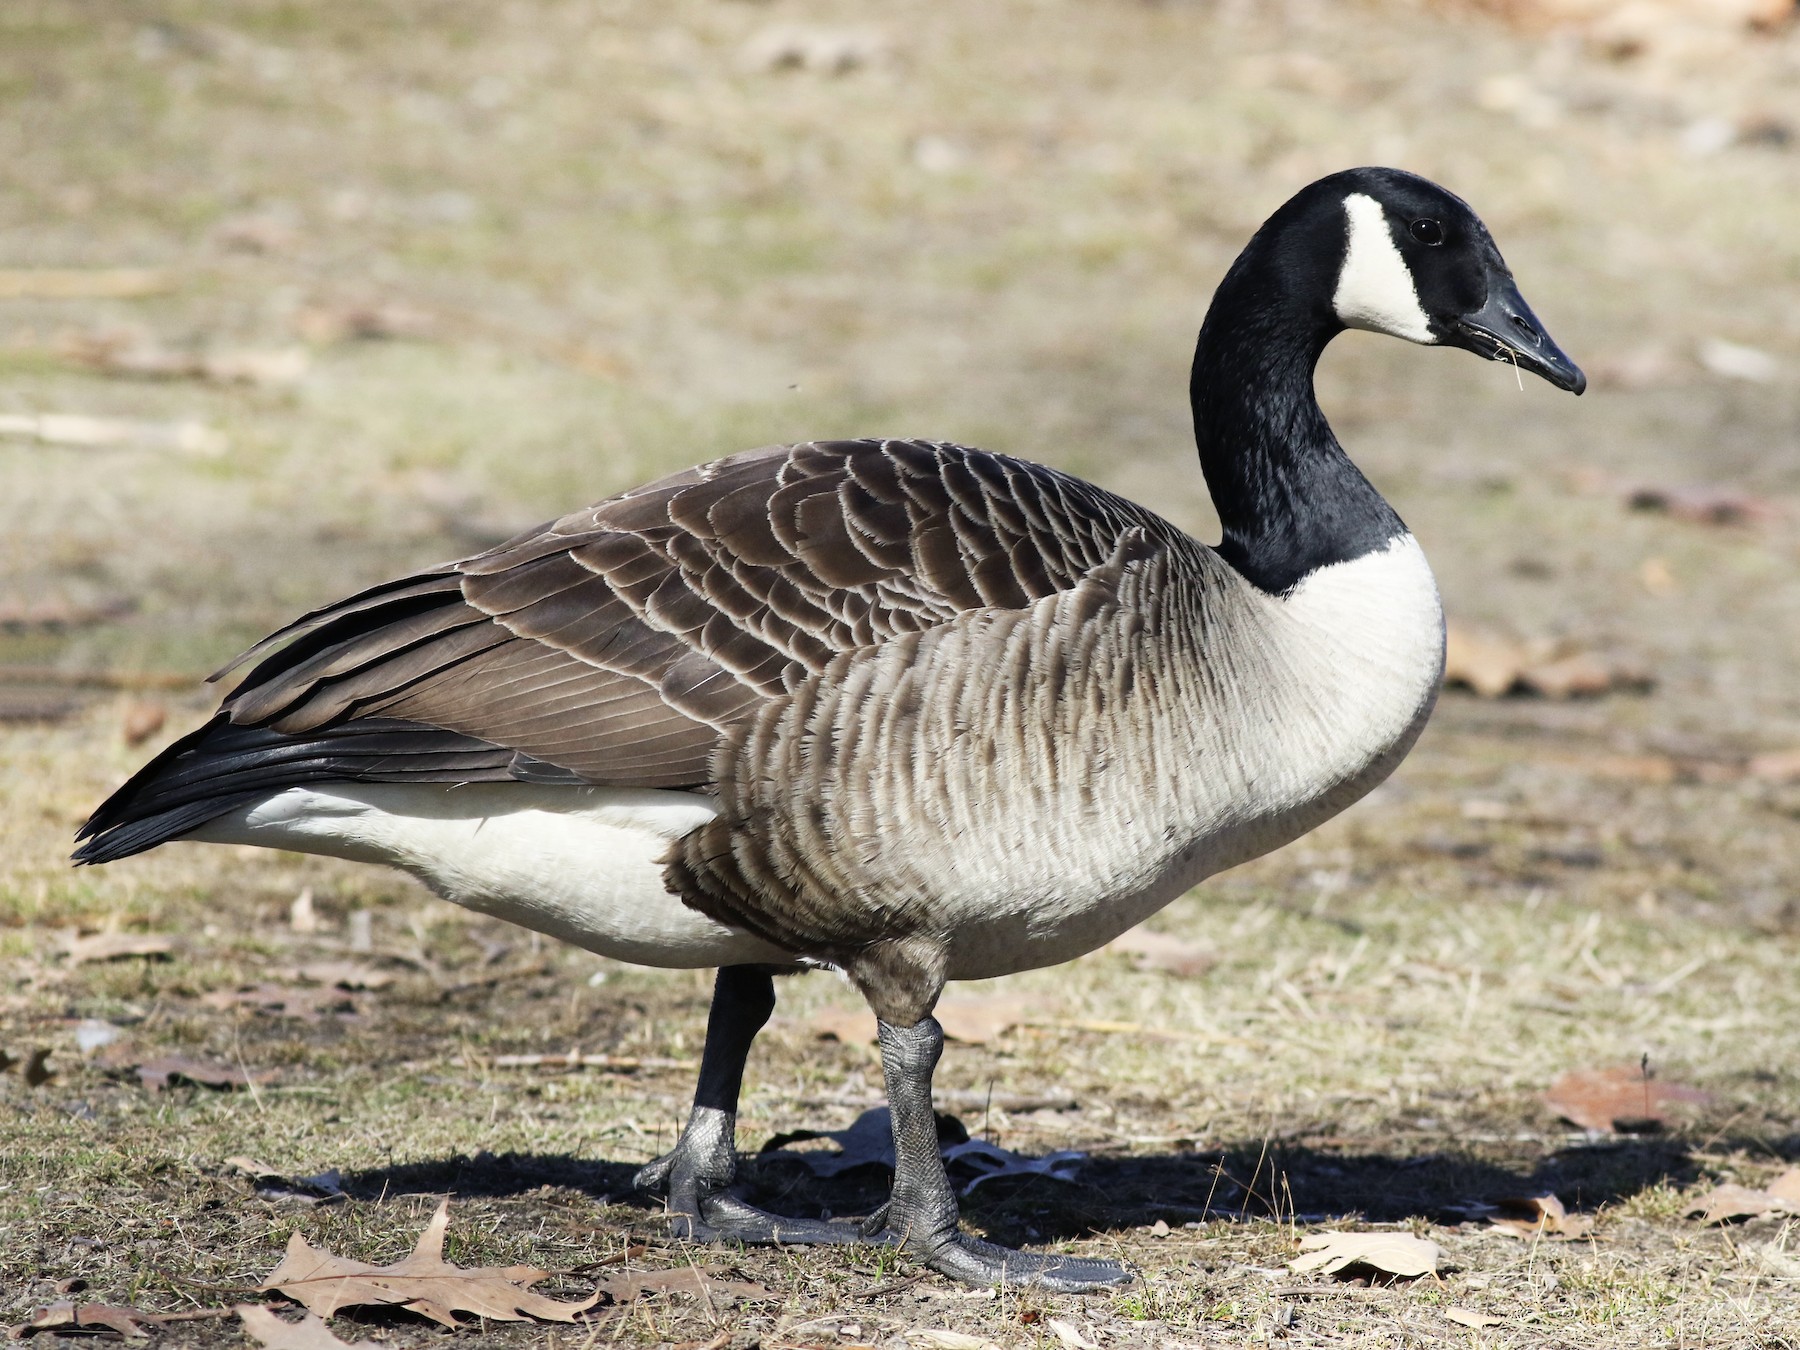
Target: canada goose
(910, 710)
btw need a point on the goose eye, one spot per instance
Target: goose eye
(1428, 232)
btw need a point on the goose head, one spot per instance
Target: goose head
(1413, 261)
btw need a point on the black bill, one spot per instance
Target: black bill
(1505, 329)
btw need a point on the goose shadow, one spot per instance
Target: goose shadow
(1247, 1179)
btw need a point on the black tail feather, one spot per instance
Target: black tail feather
(221, 767)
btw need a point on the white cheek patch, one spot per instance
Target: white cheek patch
(1375, 290)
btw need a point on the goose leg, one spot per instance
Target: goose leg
(922, 1216)
(693, 1177)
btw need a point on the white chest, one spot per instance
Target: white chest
(1286, 711)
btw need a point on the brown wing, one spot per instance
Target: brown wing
(619, 642)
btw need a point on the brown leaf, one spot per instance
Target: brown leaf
(141, 719)
(423, 1283)
(1723, 1204)
(89, 1319)
(340, 974)
(279, 1000)
(157, 1074)
(1399, 1255)
(1468, 1317)
(1535, 1216)
(709, 1283)
(115, 946)
(852, 1026)
(1786, 1187)
(1493, 666)
(978, 1020)
(1163, 951)
(1703, 505)
(1620, 1099)
(310, 1333)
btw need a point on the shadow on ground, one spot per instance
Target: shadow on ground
(1246, 1180)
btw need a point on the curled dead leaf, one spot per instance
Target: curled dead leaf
(1539, 1216)
(1730, 1202)
(157, 1074)
(1493, 666)
(1622, 1099)
(423, 1283)
(1394, 1255)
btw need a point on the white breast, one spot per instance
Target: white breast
(582, 864)
(1290, 709)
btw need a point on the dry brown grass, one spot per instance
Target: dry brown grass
(636, 250)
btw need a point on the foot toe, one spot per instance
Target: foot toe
(986, 1263)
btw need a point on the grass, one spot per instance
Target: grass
(637, 251)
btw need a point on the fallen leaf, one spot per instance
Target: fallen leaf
(1399, 1255)
(1534, 1216)
(340, 975)
(1468, 1317)
(141, 719)
(423, 1283)
(322, 1188)
(116, 946)
(67, 1318)
(825, 51)
(1786, 1187)
(1069, 1335)
(157, 1074)
(310, 1333)
(279, 1000)
(978, 1020)
(34, 1068)
(706, 1283)
(1492, 666)
(852, 1026)
(1703, 505)
(1618, 1099)
(1162, 951)
(1730, 1201)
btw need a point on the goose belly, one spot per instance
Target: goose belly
(581, 864)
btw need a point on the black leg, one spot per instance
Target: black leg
(694, 1177)
(922, 1216)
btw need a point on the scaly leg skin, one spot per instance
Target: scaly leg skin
(693, 1177)
(922, 1216)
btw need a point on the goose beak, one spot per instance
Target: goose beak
(1505, 329)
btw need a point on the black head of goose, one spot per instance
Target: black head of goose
(910, 710)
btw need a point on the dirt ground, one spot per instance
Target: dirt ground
(407, 277)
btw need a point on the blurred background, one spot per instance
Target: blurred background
(297, 295)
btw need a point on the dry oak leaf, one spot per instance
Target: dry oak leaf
(1165, 952)
(114, 946)
(310, 1333)
(1786, 1187)
(1620, 1099)
(1532, 1216)
(1399, 1255)
(423, 1283)
(1730, 1201)
(709, 1283)
(157, 1074)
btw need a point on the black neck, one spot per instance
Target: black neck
(1287, 495)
